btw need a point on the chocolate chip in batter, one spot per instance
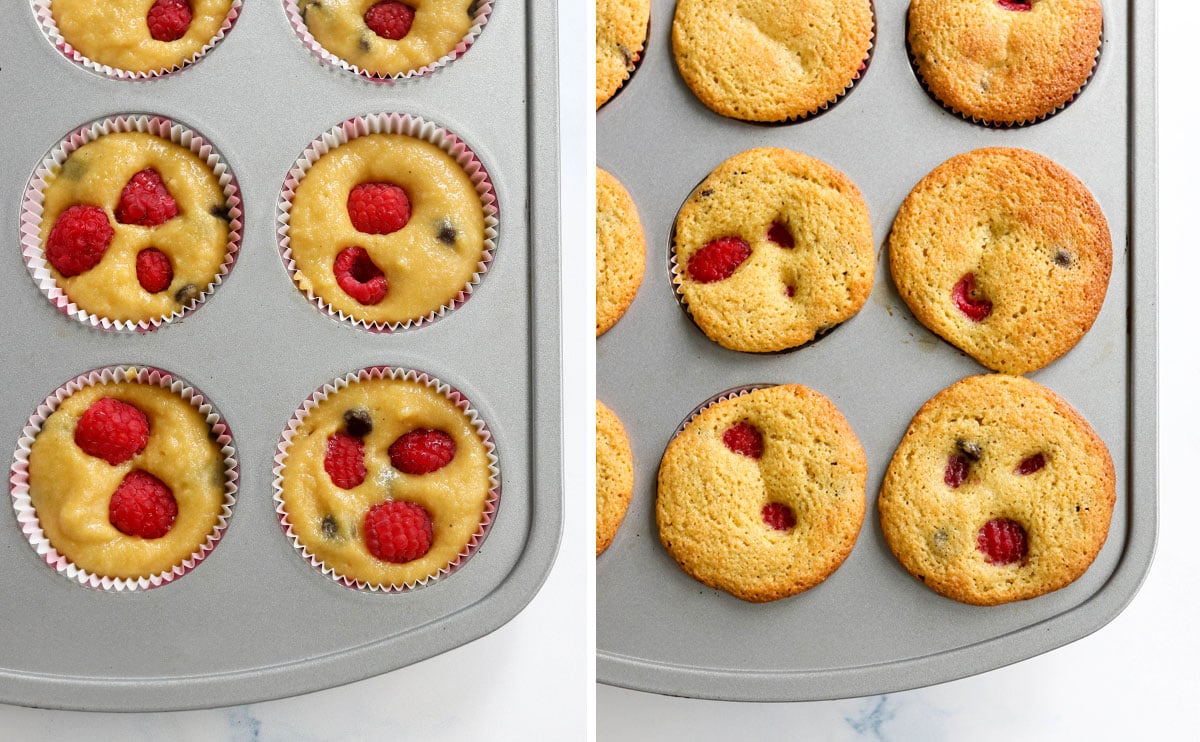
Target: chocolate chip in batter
(187, 294)
(329, 527)
(447, 234)
(220, 211)
(358, 422)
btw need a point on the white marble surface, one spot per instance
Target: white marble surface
(528, 680)
(1138, 677)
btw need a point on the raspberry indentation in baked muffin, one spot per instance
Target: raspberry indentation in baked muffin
(745, 439)
(422, 451)
(717, 260)
(398, 531)
(154, 271)
(780, 235)
(378, 208)
(142, 506)
(145, 201)
(1031, 464)
(390, 19)
(78, 240)
(957, 468)
(966, 298)
(789, 291)
(112, 430)
(169, 20)
(1002, 541)
(779, 516)
(359, 277)
(1015, 4)
(344, 460)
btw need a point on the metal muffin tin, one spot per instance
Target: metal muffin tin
(255, 620)
(870, 628)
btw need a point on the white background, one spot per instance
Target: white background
(1138, 677)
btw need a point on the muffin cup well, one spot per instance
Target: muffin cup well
(479, 18)
(412, 126)
(31, 214)
(49, 26)
(451, 394)
(27, 517)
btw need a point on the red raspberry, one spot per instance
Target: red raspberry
(142, 506)
(422, 451)
(378, 208)
(80, 236)
(963, 294)
(398, 531)
(169, 19)
(1002, 541)
(1032, 464)
(780, 235)
(390, 19)
(112, 430)
(717, 260)
(745, 439)
(1015, 4)
(145, 200)
(956, 471)
(359, 276)
(344, 460)
(779, 516)
(154, 270)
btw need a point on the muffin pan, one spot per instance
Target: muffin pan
(255, 621)
(870, 628)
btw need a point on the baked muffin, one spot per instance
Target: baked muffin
(771, 60)
(1004, 61)
(1005, 255)
(621, 27)
(388, 230)
(620, 251)
(387, 480)
(135, 228)
(127, 478)
(773, 249)
(146, 37)
(389, 38)
(999, 491)
(762, 494)
(614, 475)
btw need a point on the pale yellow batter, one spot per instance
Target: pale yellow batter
(455, 495)
(114, 32)
(426, 263)
(70, 490)
(340, 27)
(194, 240)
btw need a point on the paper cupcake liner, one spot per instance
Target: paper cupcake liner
(637, 65)
(391, 123)
(728, 394)
(912, 62)
(31, 214)
(483, 12)
(46, 22)
(458, 400)
(19, 478)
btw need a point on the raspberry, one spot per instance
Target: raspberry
(963, 293)
(779, 234)
(745, 439)
(422, 451)
(956, 471)
(344, 460)
(1002, 541)
(145, 200)
(359, 276)
(112, 430)
(378, 208)
(390, 19)
(1031, 464)
(142, 506)
(154, 270)
(789, 291)
(779, 516)
(169, 19)
(398, 531)
(1015, 4)
(717, 260)
(80, 236)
